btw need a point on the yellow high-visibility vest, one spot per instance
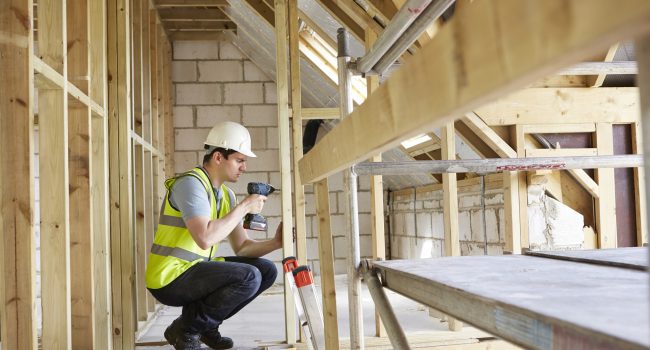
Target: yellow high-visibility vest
(174, 250)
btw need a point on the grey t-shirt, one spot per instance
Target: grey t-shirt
(188, 195)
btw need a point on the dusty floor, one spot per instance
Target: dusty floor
(262, 322)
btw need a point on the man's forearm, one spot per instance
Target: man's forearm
(256, 249)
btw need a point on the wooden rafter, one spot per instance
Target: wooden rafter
(342, 17)
(188, 14)
(189, 3)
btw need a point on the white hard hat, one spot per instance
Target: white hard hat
(230, 135)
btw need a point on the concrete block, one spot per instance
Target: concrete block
(315, 269)
(258, 138)
(272, 138)
(363, 183)
(224, 249)
(438, 225)
(398, 224)
(409, 224)
(423, 248)
(230, 52)
(190, 139)
(495, 249)
(365, 226)
(339, 225)
(267, 160)
(260, 115)
(340, 247)
(183, 117)
(196, 50)
(312, 248)
(183, 71)
(208, 116)
(310, 204)
(469, 201)
(334, 206)
(184, 161)
(273, 222)
(275, 256)
(198, 94)
(275, 178)
(464, 226)
(365, 242)
(253, 73)
(363, 201)
(336, 181)
(424, 222)
(270, 93)
(494, 199)
(340, 266)
(221, 71)
(341, 201)
(438, 248)
(243, 93)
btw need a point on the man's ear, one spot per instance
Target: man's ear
(217, 156)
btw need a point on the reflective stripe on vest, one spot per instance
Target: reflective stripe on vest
(174, 250)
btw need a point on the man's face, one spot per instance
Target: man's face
(233, 167)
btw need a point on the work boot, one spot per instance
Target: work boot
(214, 340)
(180, 339)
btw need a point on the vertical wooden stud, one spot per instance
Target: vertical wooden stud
(639, 188)
(605, 203)
(520, 142)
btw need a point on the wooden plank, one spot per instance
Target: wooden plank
(326, 257)
(563, 106)
(450, 193)
(169, 132)
(282, 83)
(141, 249)
(320, 113)
(601, 68)
(18, 318)
(491, 138)
(199, 25)
(137, 63)
(405, 105)
(635, 258)
(54, 181)
(493, 293)
(586, 182)
(520, 147)
(450, 204)
(639, 189)
(122, 244)
(511, 212)
(150, 217)
(146, 72)
(153, 67)
(263, 10)
(296, 132)
(79, 138)
(359, 16)
(560, 152)
(559, 128)
(605, 203)
(180, 14)
(642, 47)
(99, 177)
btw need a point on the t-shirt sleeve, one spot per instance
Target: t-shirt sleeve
(188, 195)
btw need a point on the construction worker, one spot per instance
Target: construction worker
(198, 212)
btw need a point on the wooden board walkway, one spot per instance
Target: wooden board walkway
(534, 302)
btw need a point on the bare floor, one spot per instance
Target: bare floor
(261, 324)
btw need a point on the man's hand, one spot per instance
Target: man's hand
(254, 203)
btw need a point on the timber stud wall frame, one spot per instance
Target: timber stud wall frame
(92, 256)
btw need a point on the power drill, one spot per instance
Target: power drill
(256, 221)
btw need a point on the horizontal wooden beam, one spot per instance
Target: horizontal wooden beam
(138, 140)
(435, 86)
(596, 68)
(45, 77)
(320, 113)
(206, 14)
(199, 25)
(559, 128)
(561, 152)
(564, 106)
(189, 3)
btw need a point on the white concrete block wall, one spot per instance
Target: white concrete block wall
(214, 82)
(417, 229)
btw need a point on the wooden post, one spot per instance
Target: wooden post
(54, 180)
(520, 147)
(642, 48)
(639, 188)
(606, 201)
(296, 128)
(450, 199)
(17, 265)
(119, 115)
(99, 176)
(326, 257)
(376, 194)
(282, 83)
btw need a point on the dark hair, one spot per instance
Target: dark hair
(224, 151)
